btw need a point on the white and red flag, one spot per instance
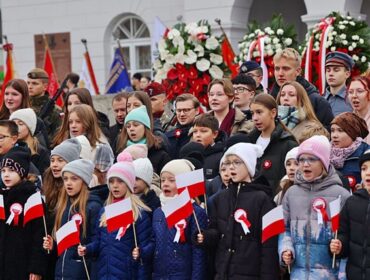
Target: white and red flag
(67, 236)
(119, 216)
(334, 214)
(2, 209)
(33, 208)
(273, 223)
(178, 208)
(193, 181)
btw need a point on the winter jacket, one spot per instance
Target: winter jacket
(114, 131)
(271, 164)
(100, 192)
(304, 236)
(177, 138)
(151, 200)
(115, 260)
(21, 251)
(354, 228)
(178, 261)
(212, 156)
(320, 105)
(158, 157)
(240, 255)
(41, 159)
(69, 265)
(300, 129)
(241, 123)
(214, 186)
(103, 123)
(351, 168)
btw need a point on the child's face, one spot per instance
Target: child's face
(310, 166)
(56, 165)
(168, 184)
(339, 138)
(290, 168)
(140, 186)
(10, 177)
(238, 169)
(135, 131)
(117, 187)
(76, 127)
(365, 175)
(6, 140)
(23, 130)
(225, 174)
(72, 184)
(204, 135)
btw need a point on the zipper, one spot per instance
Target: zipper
(364, 247)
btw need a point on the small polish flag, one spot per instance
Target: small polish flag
(178, 208)
(273, 223)
(2, 210)
(119, 214)
(33, 208)
(67, 236)
(193, 181)
(334, 214)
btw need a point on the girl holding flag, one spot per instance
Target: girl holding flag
(304, 245)
(124, 253)
(75, 204)
(21, 253)
(176, 257)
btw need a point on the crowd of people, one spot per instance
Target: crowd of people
(258, 148)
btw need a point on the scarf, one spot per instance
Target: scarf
(228, 122)
(289, 116)
(339, 155)
(164, 199)
(142, 141)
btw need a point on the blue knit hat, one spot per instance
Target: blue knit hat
(140, 115)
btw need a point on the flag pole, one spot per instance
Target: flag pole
(85, 265)
(46, 231)
(205, 203)
(196, 222)
(135, 238)
(218, 21)
(335, 237)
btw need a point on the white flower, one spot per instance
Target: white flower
(317, 36)
(275, 40)
(348, 17)
(341, 26)
(317, 44)
(212, 43)
(167, 67)
(355, 57)
(354, 45)
(191, 57)
(251, 35)
(270, 52)
(178, 41)
(345, 21)
(202, 29)
(278, 46)
(361, 41)
(333, 49)
(160, 75)
(288, 41)
(203, 64)
(190, 28)
(343, 36)
(267, 40)
(350, 48)
(173, 33)
(334, 33)
(170, 59)
(267, 29)
(215, 58)
(157, 64)
(280, 31)
(363, 59)
(180, 58)
(257, 31)
(355, 37)
(200, 50)
(352, 23)
(245, 37)
(345, 42)
(328, 44)
(256, 54)
(216, 72)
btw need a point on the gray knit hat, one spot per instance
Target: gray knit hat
(83, 168)
(69, 150)
(104, 157)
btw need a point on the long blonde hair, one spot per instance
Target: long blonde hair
(137, 206)
(78, 206)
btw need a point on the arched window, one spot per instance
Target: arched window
(134, 38)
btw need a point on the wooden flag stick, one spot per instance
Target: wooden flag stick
(205, 203)
(46, 230)
(133, 227)
(335, 237)
(196, 222)
(85, 265)
(289, 268)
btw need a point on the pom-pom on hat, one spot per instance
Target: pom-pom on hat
(137, 151)
(82, 168)
(27, 116)
(124, 170)
(139, 114)
(248, 153)
(318, 146)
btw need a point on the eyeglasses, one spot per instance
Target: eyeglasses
(184, 110)
(242, 89)
(2, 137)
(309, 160)
(357, 92)
(235, 163)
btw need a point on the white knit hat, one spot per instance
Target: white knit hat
(144, 170)
(178, 166)
(86, 150)
(248, 153)
(28, 116)
(292, 154)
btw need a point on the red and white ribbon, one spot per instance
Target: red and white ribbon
(121, 232)
(308, 63)
(15, 210)
(180, 231)
(240, 216)
(319, 205)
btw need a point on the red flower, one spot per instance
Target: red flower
(182, 85)
(170, 93)
(196, 86)
(183, 74)
(193, 72)
(172, 74)
(206, 79)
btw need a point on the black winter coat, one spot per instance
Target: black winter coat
(42, 159)
(158, 157)
(177, 138)
(241, 256)
(320, 105)
(114, 131)
(103, 123)
(213, 155)
(354, 233)
(151, 200)
(21, 251)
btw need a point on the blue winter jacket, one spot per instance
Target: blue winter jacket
(115, 256)
(178, 261)
(69, 265)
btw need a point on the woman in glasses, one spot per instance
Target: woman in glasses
(304, 245)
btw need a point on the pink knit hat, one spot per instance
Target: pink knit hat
(124, 170)
(319, 146)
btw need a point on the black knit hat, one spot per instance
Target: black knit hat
(365, 157)
(18, 158)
